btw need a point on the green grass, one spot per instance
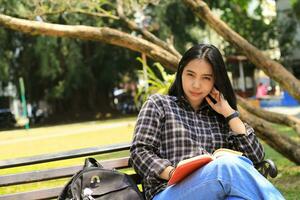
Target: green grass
(22, 143)
(288, 178)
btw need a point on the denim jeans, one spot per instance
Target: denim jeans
(228, 177)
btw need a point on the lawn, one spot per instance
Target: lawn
(23, 143)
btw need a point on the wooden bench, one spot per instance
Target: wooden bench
(57, 173)
(267, 167)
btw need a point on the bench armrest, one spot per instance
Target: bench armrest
(267, 168)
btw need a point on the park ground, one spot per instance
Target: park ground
(35, 141)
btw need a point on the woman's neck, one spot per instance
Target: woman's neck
(196, 106)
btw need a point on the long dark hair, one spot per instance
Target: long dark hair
(212, 55)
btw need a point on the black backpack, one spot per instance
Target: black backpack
(95, 182)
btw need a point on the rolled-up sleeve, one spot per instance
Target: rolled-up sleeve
(247, 143)
(144, 152)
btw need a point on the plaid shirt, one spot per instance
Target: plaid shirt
(168, 130)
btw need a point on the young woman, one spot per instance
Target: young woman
(197, 117)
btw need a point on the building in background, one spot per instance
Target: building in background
(288, 36)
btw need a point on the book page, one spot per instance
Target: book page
(224, 151)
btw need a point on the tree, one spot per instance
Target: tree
(158, 52)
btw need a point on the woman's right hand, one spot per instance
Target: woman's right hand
(167, 173)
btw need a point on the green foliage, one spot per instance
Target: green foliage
(49, 66)
(47, 8)
(296, 7)
(287, 23)
(250, 26)
(158, 81)
(5, 56)
(175, 23)
(4, 70)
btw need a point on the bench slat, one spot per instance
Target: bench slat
(42, 175)
(63, 155)
(33, 195)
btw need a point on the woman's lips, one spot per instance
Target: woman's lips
(196, 94)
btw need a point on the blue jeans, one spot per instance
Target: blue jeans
(228, 177)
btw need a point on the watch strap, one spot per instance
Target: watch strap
(233, 115)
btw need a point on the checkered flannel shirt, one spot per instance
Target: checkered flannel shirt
(168, 130)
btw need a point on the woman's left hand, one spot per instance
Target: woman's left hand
(221, 106)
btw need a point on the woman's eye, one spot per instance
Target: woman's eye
(207, 78)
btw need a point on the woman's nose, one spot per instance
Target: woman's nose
(196, 84)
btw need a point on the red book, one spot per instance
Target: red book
(186, 167)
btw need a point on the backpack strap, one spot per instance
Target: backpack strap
(88, 163)
(91, 162)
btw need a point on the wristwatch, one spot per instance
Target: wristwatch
(233, 115)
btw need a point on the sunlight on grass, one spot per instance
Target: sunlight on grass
(67, 137)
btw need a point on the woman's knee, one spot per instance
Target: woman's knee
(230, 166)
(230, 161)
(227, 167)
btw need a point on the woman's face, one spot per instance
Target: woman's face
(197, 81)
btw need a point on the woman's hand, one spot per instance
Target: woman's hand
(167, 173)
(221, 106)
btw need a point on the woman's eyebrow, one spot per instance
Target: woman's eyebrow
(207, 75)
(191, 71)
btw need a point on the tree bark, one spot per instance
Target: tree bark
(279, 118)
(106, 35)
(273, 69)
(281, 143)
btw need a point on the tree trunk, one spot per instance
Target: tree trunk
(279, 118)
(106, 35)
(273, 69)
(281, 143)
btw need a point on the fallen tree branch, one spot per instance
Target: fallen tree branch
(278, 118)
(106, 35)
(264, 130)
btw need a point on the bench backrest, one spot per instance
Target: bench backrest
(43, 175)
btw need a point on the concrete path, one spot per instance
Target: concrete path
(286, 110)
